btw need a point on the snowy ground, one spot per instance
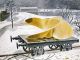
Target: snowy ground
(6, 47)
(50, 55)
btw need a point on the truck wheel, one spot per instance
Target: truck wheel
(53, 47)
(40, 51)
(25, 48)
(68, 46)
(34, 51)
(61, 47)
(67, 49)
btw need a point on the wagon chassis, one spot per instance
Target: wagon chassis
(37, 48)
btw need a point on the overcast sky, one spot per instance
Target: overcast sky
(75, 4)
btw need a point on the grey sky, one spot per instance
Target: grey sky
(73, 4)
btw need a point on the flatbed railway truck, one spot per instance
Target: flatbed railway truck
(37, 48)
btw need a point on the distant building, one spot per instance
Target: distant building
(29, 9)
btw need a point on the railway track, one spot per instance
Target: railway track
(46, 51)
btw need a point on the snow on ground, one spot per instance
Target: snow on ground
(6, 32)
(17, 18)
(59, 55)
(6, 47)
(65, 55)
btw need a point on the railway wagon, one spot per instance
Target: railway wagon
(37, 48)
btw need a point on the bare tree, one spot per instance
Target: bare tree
(10, 5)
